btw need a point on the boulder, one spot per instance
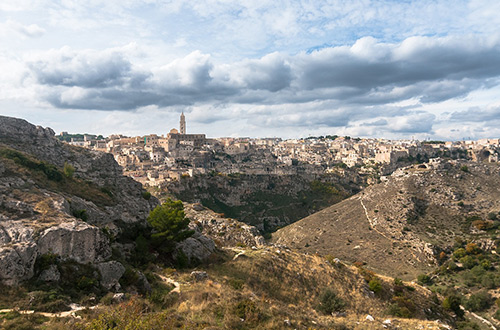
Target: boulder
(75, 240)
(17, 262)
(196, 248)
(198, 275)
(111, 272)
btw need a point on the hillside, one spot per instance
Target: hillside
(269, 288)
(400, 226)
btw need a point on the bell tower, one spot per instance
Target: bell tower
(183, 124)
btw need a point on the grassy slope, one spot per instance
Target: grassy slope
(422, 206)
(264, 289)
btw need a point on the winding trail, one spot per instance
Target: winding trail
(373, 224)
(483, 320)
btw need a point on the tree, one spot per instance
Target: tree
(170, 224)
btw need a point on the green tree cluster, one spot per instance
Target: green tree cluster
(170, 225)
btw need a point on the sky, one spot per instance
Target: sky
(426, 69)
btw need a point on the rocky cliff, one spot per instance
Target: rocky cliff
(266, 201)
(45, 210)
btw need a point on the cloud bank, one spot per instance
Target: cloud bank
(334, 85)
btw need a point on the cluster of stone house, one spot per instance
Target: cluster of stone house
(154, 159)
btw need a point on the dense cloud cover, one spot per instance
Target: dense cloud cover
(369, 69)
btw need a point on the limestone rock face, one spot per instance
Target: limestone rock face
(39, 217)
(75, 240)
(14, 232)
(196, 248)
(17, 262)
(111, 272)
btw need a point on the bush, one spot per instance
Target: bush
(375, 285)
(81, 214)
(464, 168)
(492, 216)
(479, 301)
(424, 279)
(452, 302)
(398, 311)
(68, 170)
(329, 302)
(247, 310)
(146, 195)
(472, 248)
(459, 253)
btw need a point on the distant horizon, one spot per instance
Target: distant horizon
(391, 69)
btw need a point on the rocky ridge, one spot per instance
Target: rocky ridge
(72, 218)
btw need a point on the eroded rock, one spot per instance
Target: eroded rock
(75, 240)
(196, 248)
(17, 262)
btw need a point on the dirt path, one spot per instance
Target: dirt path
(71, 313)
(177, 286)
(483, 320)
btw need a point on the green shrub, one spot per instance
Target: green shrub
(468, 262)
(375, 285)
(247, 310)
(452, 302)
(492, 216)
(68, 170)
(44, 261)
(236, 283)
(479, 301)
(464, 168)
(146, 195)
(467, 325)
(459, 253)
(398, 311)
(424, 279)
(159, 295)
(81, 214)
(170, 224)
(329, 302)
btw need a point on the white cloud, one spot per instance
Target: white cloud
(303, 66)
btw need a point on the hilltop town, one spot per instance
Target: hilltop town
(156, 160)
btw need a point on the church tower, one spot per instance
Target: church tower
(183, 124)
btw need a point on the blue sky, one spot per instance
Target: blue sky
(392, 69)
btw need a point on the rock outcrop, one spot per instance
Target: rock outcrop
(224, 231)
(195, 248)
(75, 240)
(43, 212)
(17, 262)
